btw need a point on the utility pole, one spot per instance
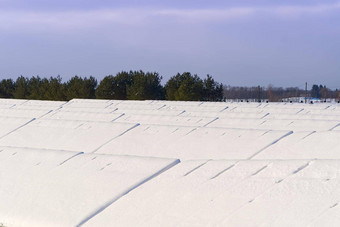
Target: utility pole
(306, 93)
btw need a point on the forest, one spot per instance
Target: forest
(140, 85)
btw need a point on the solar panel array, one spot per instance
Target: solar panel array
(163, 163)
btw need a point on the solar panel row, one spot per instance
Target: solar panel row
(151, 163)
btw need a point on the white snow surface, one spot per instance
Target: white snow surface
(167, 163)
(55, 188)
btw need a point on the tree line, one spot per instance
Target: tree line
(277, 94)
(139, 85)
(132, 85)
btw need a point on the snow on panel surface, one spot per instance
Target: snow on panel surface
(321, 117)
(336, 128)
(58, 190)
(65, 135)
(242, 164)
(160, 112)
(88, 103)
(22, 176)
(191, 142)
(166, 120)
(194, 108)
(330, 217)
(276, 124)
(305, 145)
(10, 124)
(226, 193)
(39, 103)
(137, 141)
(136, 105)
(295, 201)
(219, 143)
(27, 113)
(91, 106)
(64, 114)
(8, 103)
(299, 125)
(238, 123)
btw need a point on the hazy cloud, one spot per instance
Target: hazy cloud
(237, 42)
(94, 18)
(238, 12)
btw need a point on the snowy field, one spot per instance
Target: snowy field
(162, 163)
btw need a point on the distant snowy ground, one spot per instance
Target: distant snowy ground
(162, 163)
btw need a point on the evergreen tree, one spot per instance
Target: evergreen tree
(213, 91)
(35, 89)
(54, 89)
(185, 87)
(114, 87)
(21, 90)
(315, 92)
(6, 88)
(145, 86)
(191, 89)
(78, 87)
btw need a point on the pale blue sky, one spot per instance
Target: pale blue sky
(284, 43)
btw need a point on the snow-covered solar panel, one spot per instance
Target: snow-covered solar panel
(88, 103)
(65, 188)
(137, 141)
(305, 145)
(87, 109)
(157, 112)
(82, 136)
(224, 114)
(295, 200)
(301, 116)
(5, 106)
(27, 113)
(230, 193)
(330, 217)
(167, 163)
(39, 103)
(136, 105)
(276, 124)
(192, 143)
(238, 123)
(65, 114)
(198, 108)
(166, 120)
(12, 102)
(10, 124)
(219, 143)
